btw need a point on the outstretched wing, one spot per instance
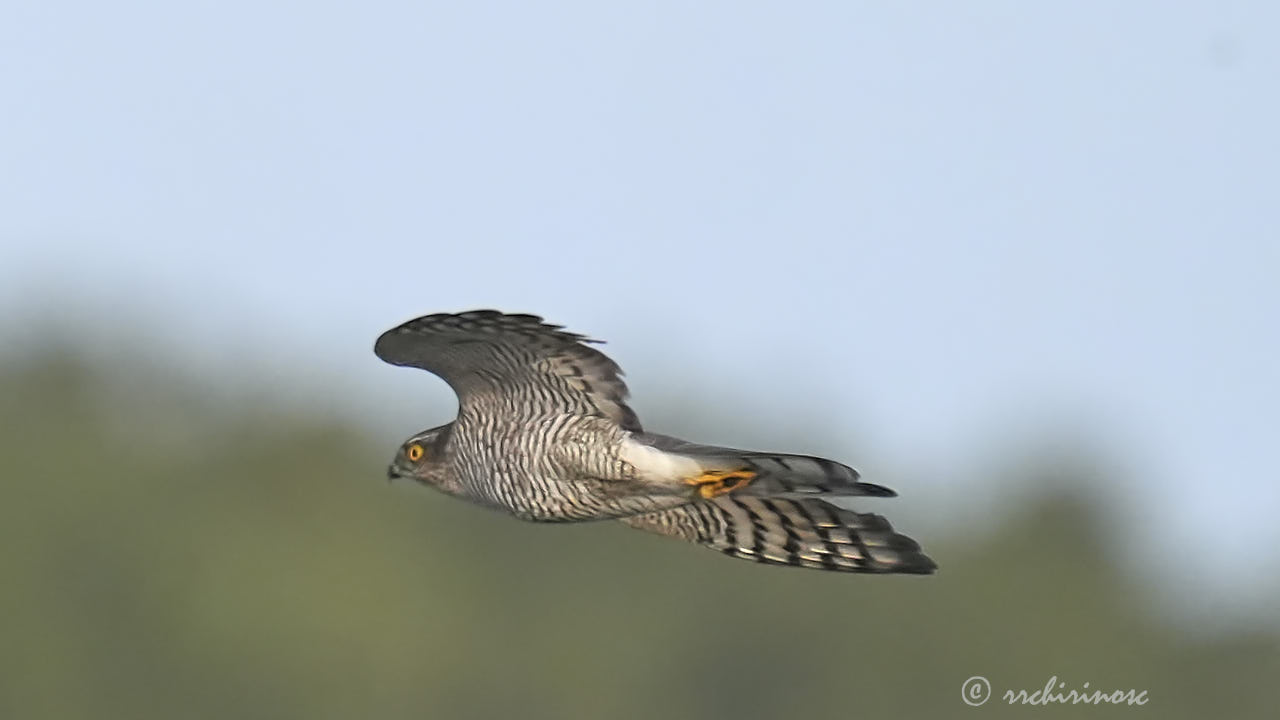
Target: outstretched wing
(515, 363)
(808, 533)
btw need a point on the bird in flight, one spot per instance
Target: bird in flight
(544, 432)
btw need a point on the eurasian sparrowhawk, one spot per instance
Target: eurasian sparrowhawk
(544, 432)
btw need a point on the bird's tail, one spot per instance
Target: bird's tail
(801, 532)
(798, 475)
(718, 470)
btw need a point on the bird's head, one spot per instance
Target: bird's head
(423, 458)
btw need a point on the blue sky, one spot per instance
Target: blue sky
(943, 228)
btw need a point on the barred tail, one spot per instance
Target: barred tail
(798, 475)
(779, 531)
(747, 472)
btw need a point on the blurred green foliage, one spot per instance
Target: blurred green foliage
(166, 555)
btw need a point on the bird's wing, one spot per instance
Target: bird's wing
(802, 532)
(511, 363)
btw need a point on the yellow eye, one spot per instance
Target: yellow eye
(415, 452)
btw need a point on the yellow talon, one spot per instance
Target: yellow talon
(718, 482)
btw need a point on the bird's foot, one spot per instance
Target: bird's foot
(714, 483)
